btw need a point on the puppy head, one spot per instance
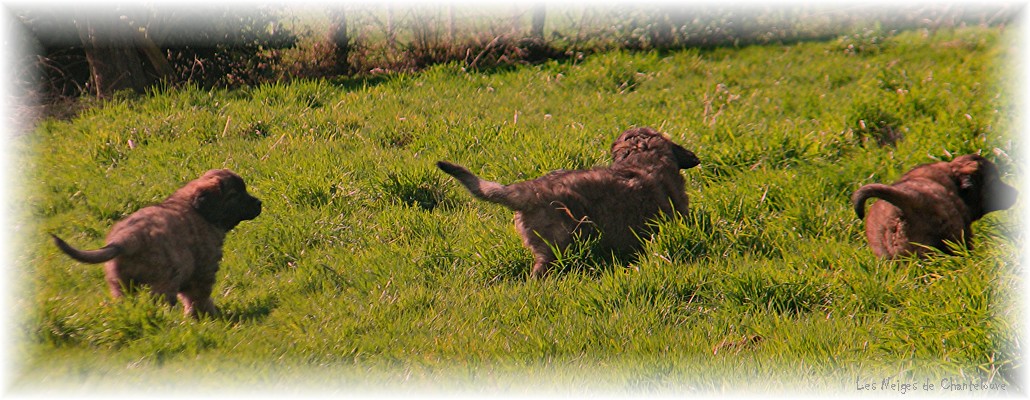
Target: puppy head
(221, 197)
(980, 185)
(644, 145)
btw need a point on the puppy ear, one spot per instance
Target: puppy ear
(208, 202)
(684, 158)
(966, 172)
(966, 183)
(623, 147)
(981, 188)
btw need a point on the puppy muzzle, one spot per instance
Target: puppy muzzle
(1000, 197)
(253, 210)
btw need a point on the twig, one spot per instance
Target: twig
(265, 157)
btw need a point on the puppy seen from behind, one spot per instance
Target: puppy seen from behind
(931, 205)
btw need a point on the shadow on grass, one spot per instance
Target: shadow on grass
(351, 83)
(254, 310)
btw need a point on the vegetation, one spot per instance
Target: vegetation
(370, 270)
(100, 50)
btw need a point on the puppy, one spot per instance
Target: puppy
(611, 203)
(175, 247)
(932, 204)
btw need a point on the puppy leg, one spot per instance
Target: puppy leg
(680, 202)
(165, 292)
(116, 285)
(543, 254)
(196, 298)
(542, 234)
(542, 260)
(196, 306)
(114, 280)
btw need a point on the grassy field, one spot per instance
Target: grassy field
(372, 271)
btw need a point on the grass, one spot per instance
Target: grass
(370, 270)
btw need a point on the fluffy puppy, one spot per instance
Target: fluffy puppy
(611, 203)
(930, 205)
(175, 247)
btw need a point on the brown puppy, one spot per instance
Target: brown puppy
(931, 204)
(612, 203)
(175, 247)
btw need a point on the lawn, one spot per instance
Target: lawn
(371, 271)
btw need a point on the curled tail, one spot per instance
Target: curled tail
(88, 256)
(878, 190)
(486, 190)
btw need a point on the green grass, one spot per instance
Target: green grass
(371, 270)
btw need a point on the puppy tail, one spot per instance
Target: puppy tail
(88, 256)
(485, 190)
(878, 190)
